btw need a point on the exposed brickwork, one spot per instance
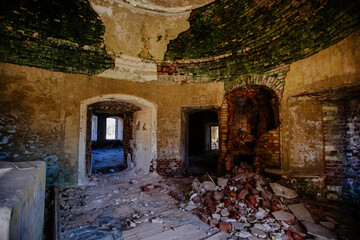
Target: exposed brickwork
(195, 71)
(341, 122)
(256, 36)
(237, 135)
(352, 149)
(169, 167)
(267, 150)
(63, 36)
(223, 137)
(334, 138)
(115, 107)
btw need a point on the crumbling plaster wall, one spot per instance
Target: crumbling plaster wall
(302, 134)
(138, 32)
(40, 117)
(32, 117)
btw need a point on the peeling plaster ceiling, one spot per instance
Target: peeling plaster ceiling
(169, 6)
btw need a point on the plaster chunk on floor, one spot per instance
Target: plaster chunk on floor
(282, 216)
(328, 225)
(300, 212)
(209, 186)
(222, 182)
(243, 234)
(258, 233)
(319, 231)
(282, 191)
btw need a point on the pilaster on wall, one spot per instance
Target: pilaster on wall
(334, 138)
(341, 140)
(223, 163)
(352, 149)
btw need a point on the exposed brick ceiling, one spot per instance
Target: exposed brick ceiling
(231, 37)
(113, 107)
(262, 34)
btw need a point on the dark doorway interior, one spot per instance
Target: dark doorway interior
(203, 141)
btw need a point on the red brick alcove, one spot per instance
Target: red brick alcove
(249, 128)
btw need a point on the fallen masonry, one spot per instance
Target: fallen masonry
(242, 205)
(248, 205)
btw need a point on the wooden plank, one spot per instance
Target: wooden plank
(219, 236)
(140, 228)
(157, 228)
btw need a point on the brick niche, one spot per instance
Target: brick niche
(249, 121)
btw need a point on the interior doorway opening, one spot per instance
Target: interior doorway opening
(107, 151)
(106, 146)
(203, 141)
(139, 144)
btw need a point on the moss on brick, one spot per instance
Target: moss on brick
(261, 35)
(64, 36)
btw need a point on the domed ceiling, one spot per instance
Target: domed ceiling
(261, 34)
(235, 36)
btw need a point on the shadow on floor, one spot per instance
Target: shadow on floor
(108, 159)
(202, 164)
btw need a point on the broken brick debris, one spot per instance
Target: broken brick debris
(248, 205)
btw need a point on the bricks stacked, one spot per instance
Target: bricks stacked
(267, 150)
(169, 167)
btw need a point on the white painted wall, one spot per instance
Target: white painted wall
(142, 138)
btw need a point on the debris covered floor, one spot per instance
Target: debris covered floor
(244, 205)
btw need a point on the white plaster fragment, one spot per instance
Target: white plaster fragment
(301, 212)
(282, 191)
(102, 10)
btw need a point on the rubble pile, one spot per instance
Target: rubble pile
(243, 205)
(247, 205)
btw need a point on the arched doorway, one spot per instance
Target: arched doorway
(107, 147)
(252, 124)
(140, 120)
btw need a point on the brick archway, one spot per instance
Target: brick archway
(261, 142)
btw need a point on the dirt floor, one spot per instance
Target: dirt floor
(133, 205)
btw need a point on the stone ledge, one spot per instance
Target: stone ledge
(22, 195)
